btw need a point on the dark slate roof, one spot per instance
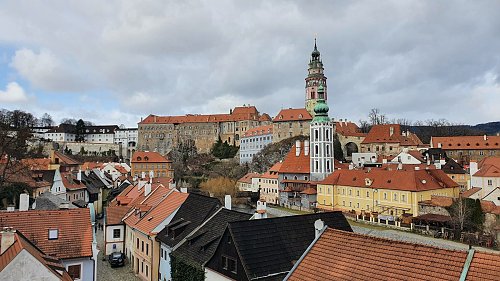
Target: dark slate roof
(92, 182)
(270, 246)
(452, 167)
(47, 175)
(115, 191)
(192, 213)
(49, 201)
(201, 245)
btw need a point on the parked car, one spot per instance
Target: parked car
(116, 259)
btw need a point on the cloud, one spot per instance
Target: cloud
(48, 72)
(13, 94)
(408, 58)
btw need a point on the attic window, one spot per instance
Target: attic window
(468, 144)
(458, 144)
(477, 144)
(139, 158)
(281, 117)
(146, 158)
(424, 181)
(150, 218)
(53, 234)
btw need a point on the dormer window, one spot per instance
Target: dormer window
(146, 158)
(53, 234)
(139, 158)
(281, 117)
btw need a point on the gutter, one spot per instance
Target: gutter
(467, 263)
(305, 253)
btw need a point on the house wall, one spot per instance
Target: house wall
(269, 190)
(58, 187)
(406, 158)
(165, 270)
(251, 145)
(287, 129)
(360, 158)
(79, 194)
(114, 244)
(25, 267)
(467, 155)
(87, 265)
(92, 147)
(225, 248)
(347, 198)
(487, 185)
(212, 275)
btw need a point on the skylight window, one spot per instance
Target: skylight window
(53, 234)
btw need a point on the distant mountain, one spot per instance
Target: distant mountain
(490, 128)
(426, 132)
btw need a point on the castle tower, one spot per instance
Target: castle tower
(314, 79)
(321, 139)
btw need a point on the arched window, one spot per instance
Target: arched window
(316, 134)
(316, 150)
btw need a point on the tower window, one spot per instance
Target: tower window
(316, 134)
(316, 150)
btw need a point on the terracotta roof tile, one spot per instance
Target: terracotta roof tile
(466, 142)
(293, 114)
(410, 180)
(309, 191)
(470, 192)
(36, 163)
(148, 157)
(248, 177)
(488, 171)
(382, 134)
(484, 266)
(295, 164)
(115, 214)
(348, 129)
(238, 114)
(74, 229)
(363, 257)
(259, 131)
(22, 243)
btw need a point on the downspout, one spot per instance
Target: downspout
(467, 263)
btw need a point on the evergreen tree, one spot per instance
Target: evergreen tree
(80, 131)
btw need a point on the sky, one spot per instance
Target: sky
(115, 61)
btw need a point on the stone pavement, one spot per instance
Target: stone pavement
(104, 270)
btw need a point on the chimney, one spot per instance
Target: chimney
(400, 166)
(227, 202)
(485, 137)
(318, 227)
(147, 189)
(384, 161)
(24, 201)
(261, 212)
(417, 168)
(351, 166)
(7, 238)
(439, 145)
(151, 175)
(297, 148)
(79, 175)
(11, 208)
(391, 131)
(143, 175)
(306, 147)
(184, 190)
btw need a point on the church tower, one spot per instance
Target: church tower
(314, 79)
(321, 139)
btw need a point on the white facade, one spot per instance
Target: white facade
(127, 138)
(360, 158)
(405, 158)
(56, 137)
(114, 237)
(253, 144)
(86, 266)
(110, 168)
(165, 269)
(212, 275)
(321, 150)
(25, 267)
(58, 187)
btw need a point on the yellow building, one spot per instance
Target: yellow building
(147, 161)
(386, 192)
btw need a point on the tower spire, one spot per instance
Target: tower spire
(314, 79)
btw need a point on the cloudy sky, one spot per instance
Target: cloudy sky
(117, 61)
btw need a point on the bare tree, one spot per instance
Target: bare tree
(46, 120)
(376, 117)
(69, 121)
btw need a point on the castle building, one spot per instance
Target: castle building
(321, 139)
(314, 79)
(162, 133)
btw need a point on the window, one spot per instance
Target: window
(137, 243)
(116, 233)
(146, 270)
(53, 234)
(395, 197)
(385, 196)
(403, 198)
(161, 253)
(368, 194)
(147, 248)
(357, 193)
(74, 271)
(142, 246)
(229, 264)
(490, 182)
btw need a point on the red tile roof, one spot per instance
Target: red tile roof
(309, 191)
(238, 114)
(160, 212)
(340, 255)
(73, 225)
(490, 160)
(36, 163)
(296, 164)
(488, 171)
(265, 118)
(490, 207)
(22, 243)
(148, 157)
(272, 173)
(470, 192)
(485, 267)
(65, 159)
(115, 214)
(410, 180)
(348, 129)
(382, 134)
(466, 142)
(259, 131)
(248, 177)
(91, 165)
(293, 114)
(70, 182)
